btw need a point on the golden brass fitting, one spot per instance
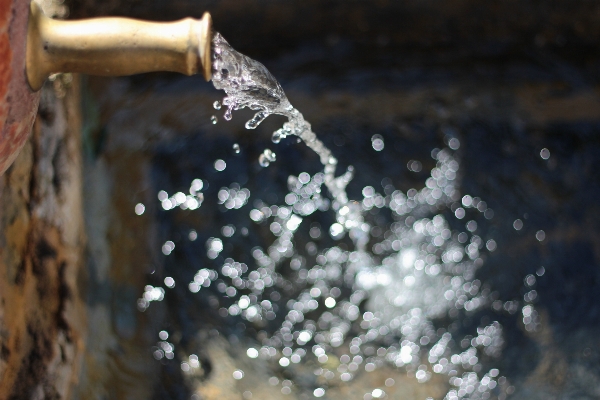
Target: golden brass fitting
(115, 46)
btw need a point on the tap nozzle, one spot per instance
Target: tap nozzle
(115, 46)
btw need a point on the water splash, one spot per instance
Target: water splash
(266, 158)
(378, 303)
(248, 83)
(421, 271)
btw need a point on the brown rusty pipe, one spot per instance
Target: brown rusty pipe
(115, 46)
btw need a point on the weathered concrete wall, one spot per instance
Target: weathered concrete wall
(42, 318)
(68, 323)
(118, 363)
(69, 327)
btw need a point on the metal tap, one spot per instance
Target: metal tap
(115, 46)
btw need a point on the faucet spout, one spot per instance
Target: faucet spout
(115, 46)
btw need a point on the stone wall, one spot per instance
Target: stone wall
(42, 317)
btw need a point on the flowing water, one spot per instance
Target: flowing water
(395, 297)
(249, 84)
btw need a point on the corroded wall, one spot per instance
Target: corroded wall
(69, 327)
(42, 318)
(118, 363)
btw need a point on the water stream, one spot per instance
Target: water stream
(420, 272)
(394, 298)
(249, 84)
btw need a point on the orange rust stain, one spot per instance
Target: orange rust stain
(6, 57)
(4, 11)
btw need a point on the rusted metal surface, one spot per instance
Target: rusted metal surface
(18, 104)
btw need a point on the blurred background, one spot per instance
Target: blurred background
(509, 89)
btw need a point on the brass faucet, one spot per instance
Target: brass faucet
(115, 46)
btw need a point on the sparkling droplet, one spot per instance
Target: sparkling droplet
(377, 142)
(236, 148)
(217, 105)
(227, 114)
(454, 143)
(270, 155)
(140, 208)
(220, 165)
(213, 119)
(545, 153)
(262, 160)
(256, 120)
(276, 138)
(266, 158)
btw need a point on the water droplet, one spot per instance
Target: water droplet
(545, 153)
(518, 224)
(227, 114)
(454, 143)
(377, 142)
(266, 158)
(270, 155)
(540, 235)
(236, 148)
(256, 120)
(213, 119)
(262, 160)
(220, 165)
(140, 208)
(217, 105)
(276, 138)
(238, 374)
